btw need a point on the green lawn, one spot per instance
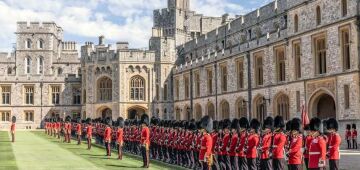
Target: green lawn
(35, 150)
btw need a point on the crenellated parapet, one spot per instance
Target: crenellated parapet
(39, 27)
(69, 46)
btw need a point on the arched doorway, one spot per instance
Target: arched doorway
(211, 110)
(178, 115)
(259, 108)
(135, 112)
(198, 112)
(106, 113)
(187, 113)
(225, 110)
(281, 106)
(241, 108)
(323, 106)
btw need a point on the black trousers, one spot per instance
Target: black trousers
(348, 144)
(266, 164)
(242, 163)
(119, 151)
(215, 165)
(145, 156)
(89, 142)
(354, 144)
(108, 148)
(317, 168)
(295, 167)
(225, 162)
(278, 164)
(306, 160)
(251, 164)
(234, 162)
(334, 164)
(205, 166)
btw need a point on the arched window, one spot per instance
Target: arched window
(225, 110)
(296, 23)
(198, 112)
(282, 106)
(40, 65)
(260, 109)
(344, 7)
(165, 92)
(59, 71)
(318, 15)
(40, 44)
(28, 43)
(211, 110)
(178, 114)
(241, 108)
(137, 88)
(104, 89)
(27, 65)
(9, 70)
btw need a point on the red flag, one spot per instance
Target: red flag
(304, 116)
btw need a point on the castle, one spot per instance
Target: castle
(285, 57)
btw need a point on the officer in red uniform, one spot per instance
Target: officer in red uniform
(233, 143)
(354, 136)
(58, 127)
(333, 143)
(205, 155)
(317, 148)
(252, 144)
(12, 128)
(244, 125)
(214, 135)
(89, 129)
(265, 144)
(278, 144)
(107, 136)
(78, 131)
(68, 130)
(224, 159)
(348, 135)
(296, 143)
(307, 142)
(119, 135)
(145, 140)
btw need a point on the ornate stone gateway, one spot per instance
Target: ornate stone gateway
(135, 112)
(106, 113)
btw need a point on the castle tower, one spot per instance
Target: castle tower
(179, 4)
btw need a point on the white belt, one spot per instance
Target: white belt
(274, 146)
(314, 153)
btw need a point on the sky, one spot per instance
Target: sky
(117, 20)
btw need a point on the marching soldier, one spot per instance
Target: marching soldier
(205, 156)
(244, 125)
(78, 131)
(354, 136)
(12, 128)
(107, 136)
(215, 136)
(265, 144)
(334, 143)
(307, 142)
(317, 149)
(348, 135)
(225, 160)
(278, 146)
(145, 140)
(252, 144)
(233, 144)
(68, 130)
(119, 134)
(89, 130)
(296, 143)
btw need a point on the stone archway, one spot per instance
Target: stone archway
(198, 112)
(105, 113)
(322, 105)
(136, 112)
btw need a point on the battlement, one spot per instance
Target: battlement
(38, 27)
(69, 46)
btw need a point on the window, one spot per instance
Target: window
(137, 89)
(260, 109)
(259, 70)
(197, 84)
(187, 87)
(5, 116)
(55, 95)
(298, 107)
(29, 116)
(28, 44)
(5, 94)
(104, 89)
(76, 95)
(344, 7)
(84, 96)
(240, 74)
(177, 88)
(40, 44)
(209, 81)
(165, 91)
(280, 59)
(347, 96)
(29, 94)
(224, 75)
(282, 106)
(296, 23)
(345, 47)
(297, 54)
(225, 110)
(27, 65)
(320, 55)
(59, 71)
(9, 71)
(318, 15)
(40, 65)
(241, 108)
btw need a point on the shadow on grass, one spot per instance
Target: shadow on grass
(122, 166)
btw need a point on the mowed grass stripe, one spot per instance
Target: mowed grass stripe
(97, 156)
(7, 158)
(34, 152)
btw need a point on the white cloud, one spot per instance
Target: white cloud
(217, 7)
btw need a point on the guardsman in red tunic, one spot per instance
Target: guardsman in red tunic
(78, 131)
(354, 136)
(294, 154)
(107, 137)
(317, 149)
(307, 142)
(12, 128)
(89, 129)
(224, 159)
(348, 135)
(119, 135)
(278, 144)
(244, 125)
(333, 143)
(58, 127)
(265, 144)
(205, 155)
(233, 143)
(145, 140)
(68, 130)
(252, 144)
(214, 135)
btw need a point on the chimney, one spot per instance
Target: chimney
(122, 45)
(225, 18)
(101, 40)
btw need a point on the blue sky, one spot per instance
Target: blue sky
(118, 20)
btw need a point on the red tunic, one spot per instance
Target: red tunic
(354, 134)
(295, 155)
(206, 146)
(348, 135)
(308, 140)
(145, 136)
(78, 129)
(240, 147)
(89, 131)
(12, 127)
(233, 143)
(317, 151)
(107, 134)
(334, 146)
(225, 144)
(278, 145)
(119, 134)
(214, 136)
(265, 146)
(253, 142)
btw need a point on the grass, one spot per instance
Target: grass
(35, 150)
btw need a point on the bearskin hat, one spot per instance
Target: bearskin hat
(68, 119)
(207, 123)
(192, 126)
(88, 121)
(235, 124)
(120, 122)
(354, 126)
(268, 123)
(198, 124)
(244, 123)
(295, 124)
(255, 124)
(145, 119)
(288, 125)
(315, 124)
(216, 124)
(279, 122)
(13, 119)
(307, 127)
(108, 121)
(226, 124)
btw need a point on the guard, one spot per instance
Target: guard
(233, 143)
(317, 149)
(145, 140)
(120, 138)
(89, 130)
(107, 137)
(265, 145)
(252, 144)
(333, 144)
(244, 125)
(278, 144)
(354, 136)
(205, 156)
(296, 143)
(12, 128)
(78, 131)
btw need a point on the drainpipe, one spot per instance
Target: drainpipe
(216, 90)
(191, 93)
(249, 85)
